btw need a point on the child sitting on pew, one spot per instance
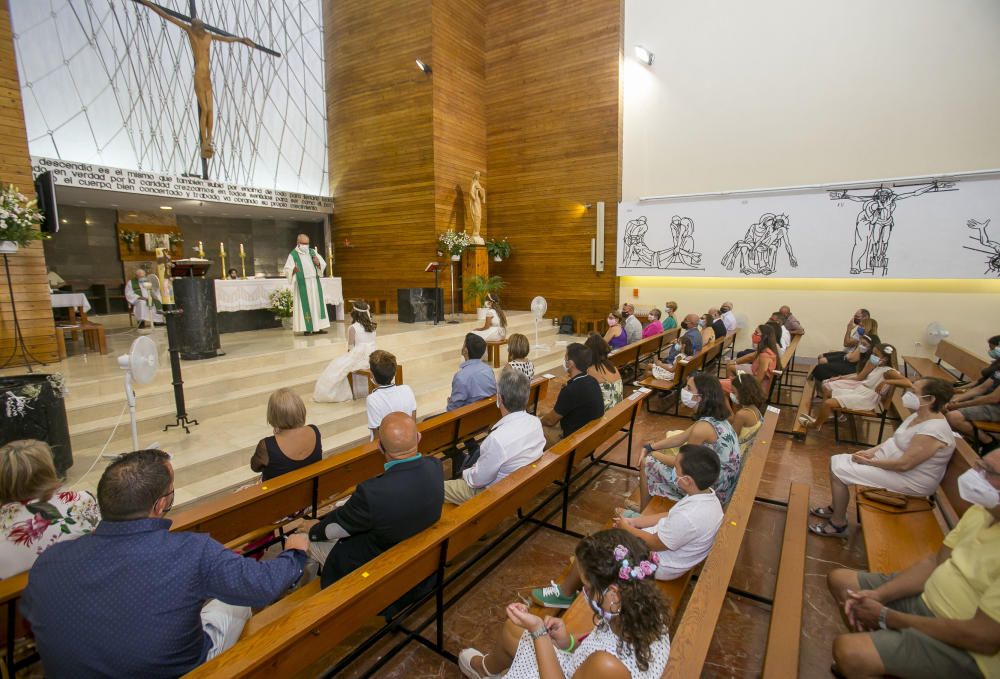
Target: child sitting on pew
(681, 538)
(631, 638)
(666, 371)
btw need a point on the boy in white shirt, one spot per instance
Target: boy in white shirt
(387, 397)
(681, 537)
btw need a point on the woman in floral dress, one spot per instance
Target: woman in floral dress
(35, 512)
(704, 395)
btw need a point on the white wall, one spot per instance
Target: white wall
(783, 92)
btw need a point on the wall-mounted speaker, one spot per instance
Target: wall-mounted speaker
(45, 189)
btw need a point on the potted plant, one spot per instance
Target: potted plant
(478, 287)
(281, 306)
(129, 238)
(499, 250)
(453, 243)
(19, 219)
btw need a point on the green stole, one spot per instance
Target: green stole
(138, 291)
(300, 283)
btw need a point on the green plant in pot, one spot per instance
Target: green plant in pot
(19, 220)
(478, 287)
(499, 250)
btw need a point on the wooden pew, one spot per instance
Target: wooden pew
(805, 405)
(782, 375)
(967, 364)
(685, 370)
(895, 541)
(13, 626)
(238, 517)
(690, 643)
(289, 643)
(781, 659)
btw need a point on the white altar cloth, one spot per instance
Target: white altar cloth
(255, 293)
(62, 300)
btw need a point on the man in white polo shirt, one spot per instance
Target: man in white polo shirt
(728, 317)
(681, 538)
(513, 442)
(387, 397)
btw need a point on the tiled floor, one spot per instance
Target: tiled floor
(741, 634)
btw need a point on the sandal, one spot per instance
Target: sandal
(822, 512)
(807, 420)
(465, 664)
(828, 530)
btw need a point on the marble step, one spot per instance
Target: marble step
(216, 457)
(91, 425)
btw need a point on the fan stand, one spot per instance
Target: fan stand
(539, 347)
(130, 399)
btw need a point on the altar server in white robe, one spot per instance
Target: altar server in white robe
(303, 268)
(143, 294)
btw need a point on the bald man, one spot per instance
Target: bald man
(689, 328)
(384, 510)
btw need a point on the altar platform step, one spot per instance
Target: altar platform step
(91, 420)
(215, 456)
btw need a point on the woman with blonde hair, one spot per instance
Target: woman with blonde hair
(293, 444)
(518, 349)
(495, 327)
(335, 384)
(35, 511)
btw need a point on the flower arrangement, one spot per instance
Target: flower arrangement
(19, 218)
(129, 238)
(282, 303)
(453, 242)
(499, 250)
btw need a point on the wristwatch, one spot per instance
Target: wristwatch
(882, 618)
(648, 447)
(542, 631)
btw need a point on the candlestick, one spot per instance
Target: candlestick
(222, 249)
(222, 254)
(329, 260)
(241, 250)
(243, 262)
(201, 250)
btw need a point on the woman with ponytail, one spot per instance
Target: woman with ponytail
(629, 639)
(335, 384)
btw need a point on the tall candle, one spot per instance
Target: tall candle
(201, 249)
(222, 248)
(241, 250)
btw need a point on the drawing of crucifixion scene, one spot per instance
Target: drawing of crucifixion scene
(679, 256)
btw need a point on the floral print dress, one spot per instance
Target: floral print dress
(662, 480)
(29, 528)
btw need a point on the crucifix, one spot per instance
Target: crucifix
(201, 36)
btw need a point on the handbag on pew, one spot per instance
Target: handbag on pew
(892, 502)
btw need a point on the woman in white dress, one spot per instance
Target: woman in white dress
(630, 636)
(334, 385)
(863, 391)
(912, 462)
(495, 327)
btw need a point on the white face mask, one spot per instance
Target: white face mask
(303, 248)
(912, 401)
(689, 398)
(565, 365)
(973, 487)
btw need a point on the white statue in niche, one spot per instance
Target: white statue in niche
(477, 199)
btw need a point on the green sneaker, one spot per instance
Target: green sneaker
(551, 597)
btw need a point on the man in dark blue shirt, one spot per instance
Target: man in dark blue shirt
(128, 600)
(689, 329)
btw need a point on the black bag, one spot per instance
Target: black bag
(566, 325)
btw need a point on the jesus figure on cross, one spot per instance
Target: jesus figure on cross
(201, 37)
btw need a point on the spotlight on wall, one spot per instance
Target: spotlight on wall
(423, 67)
(644, 55)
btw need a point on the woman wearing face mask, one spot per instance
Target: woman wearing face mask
(495, 326)
(706, 330)
(748, 403)
(630, 637)
(912, 462)
(712, 428)
(760, 363)
(615, 336)
(684, 350)
(853, 362)
(859, 392)
(604, 371)
(670, 322)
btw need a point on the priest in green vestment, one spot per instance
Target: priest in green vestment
(303, 268)
(142, 292)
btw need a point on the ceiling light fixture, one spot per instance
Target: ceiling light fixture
(166, 207)
(644, 55)
(424, 67)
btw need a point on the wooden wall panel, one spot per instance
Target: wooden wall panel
(381, 140)
(27, 267)
(553, 120)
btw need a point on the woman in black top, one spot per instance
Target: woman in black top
(293, 445)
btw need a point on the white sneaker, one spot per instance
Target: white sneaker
(465, 664)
